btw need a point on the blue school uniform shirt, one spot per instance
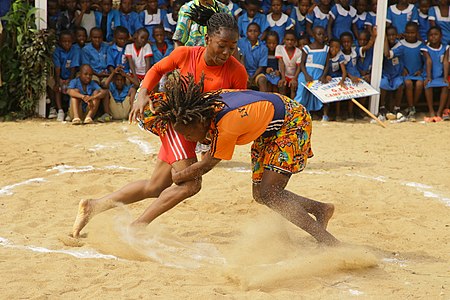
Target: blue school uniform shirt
(280, 26)
(254, 57)
(437, 59)
(169, 23)
(119, 96)
(244, 21)
(424, 26)
(318, 18)
(116, 57)
(158, 55)
(96, 59)
(300, 21)
(443, 22)
(234, 8)
(112, 21)
(334, 69)
(66, 60)
(130, 21)
(149, 21)
(351, 60)
(371, 19)
(362, 20)
(412, 58)
(90, 88)
(343, 20)
(399, 18)
(393, 65)
(365, 59)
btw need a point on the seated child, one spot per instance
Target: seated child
(436, 57)
(85, 96)
(413, 71)
(116, 52)
(272, 72)
(128, 18)
(107, 19)
(298, 14)
(80, 38)
(279, 21)
(252, 15)
(287, 56)
(255, 55)
(95, 55)
(121, 94)
(66, 60)
(139, 54)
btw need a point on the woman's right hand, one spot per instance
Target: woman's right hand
(137, 110)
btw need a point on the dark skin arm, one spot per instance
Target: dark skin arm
(195, 170)
(308, 77)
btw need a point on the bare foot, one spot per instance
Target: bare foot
(325, 215)
(85, 210)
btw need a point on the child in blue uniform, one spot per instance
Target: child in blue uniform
(95, 55)
(298, 14)
(151, 17)
(107, 19)
(128, 18)
(318, 17)
(121, 94)
(272, 72)
(314, 66)
(279, 21)
(252, 15)
(423, 19)
(391, 79)
(439, 15)
(161, 48)
(365, 59)
(362, 20)
(436, 57)
(116, 52)
(342, 17)
(255, 55)
(413, 70)
(170, 21)
(398, 15)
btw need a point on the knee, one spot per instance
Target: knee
(265, 195)
(408, 84)
(192, 187)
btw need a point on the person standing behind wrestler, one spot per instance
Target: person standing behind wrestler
(221, 70)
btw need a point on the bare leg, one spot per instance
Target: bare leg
(295, 208)
(75, 103)
(171, 196)
(442, 101)
(409, 92)
(429, 98)
(132, 192)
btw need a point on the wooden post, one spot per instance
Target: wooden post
(369, 113)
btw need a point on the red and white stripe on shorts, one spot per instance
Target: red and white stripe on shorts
(175, 147)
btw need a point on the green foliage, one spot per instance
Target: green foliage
(25, 60)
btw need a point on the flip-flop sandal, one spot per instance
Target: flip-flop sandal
(437, 119)
(88, 120)
(76, 121)
(446, 114)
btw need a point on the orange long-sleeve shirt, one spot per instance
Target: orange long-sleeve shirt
(231, 75)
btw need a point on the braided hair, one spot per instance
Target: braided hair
(186, 103)
(210, 17)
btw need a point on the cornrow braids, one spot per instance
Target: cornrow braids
(210, 17)
(186, 103)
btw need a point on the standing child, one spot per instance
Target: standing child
(85, 17)
(128, 18)
(439, 15)
(161, 48)
(255, 55)
(121, 94)
(85, 96)
(66, 20)
(287, 56)
(66, 60)
(342, 19)
(298, 14)
(365, 59)
(362, 20)
(139, 54)
(423, 19)
(314, 66)
(436, 59)
(151, 17)
(279, 21)
(336, 69)
(116, 52)
(272, 73)
(413, 61)
(318, 17)
(391, 79)
(252, 15)
(170, 21)
(107, 19)
(234, 8)
(398, 15)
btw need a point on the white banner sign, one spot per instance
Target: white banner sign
(332, 91)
